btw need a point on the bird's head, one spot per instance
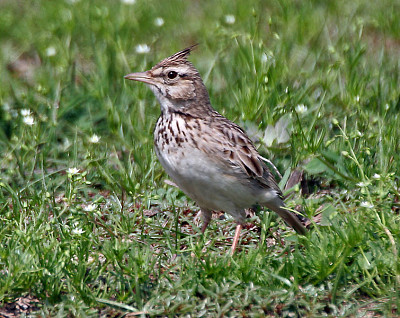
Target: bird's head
(175, 82)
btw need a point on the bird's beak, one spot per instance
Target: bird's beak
(144, 77)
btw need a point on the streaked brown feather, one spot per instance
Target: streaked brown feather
(231, 142)
(209, 157)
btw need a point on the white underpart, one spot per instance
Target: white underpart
(204, 180)
(165, 103)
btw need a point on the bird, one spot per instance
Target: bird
(209, 157)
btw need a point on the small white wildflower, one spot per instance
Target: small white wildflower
(159, 21)
(25, 112)
(28, 120)
(287, 90)
(230, 19)
(89, 207)
(376, 176)
(77, 231)
(94, 139)
(142, 48)
(128, 1)
(264, 58)
(301, 108)
(51, 51)
(73, 171)
(362, 184)
(366, 204)
(357, 98)
(6, 106)
(387, 106)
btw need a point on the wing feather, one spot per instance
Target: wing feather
(239, 151)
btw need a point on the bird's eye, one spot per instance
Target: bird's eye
(172, 74)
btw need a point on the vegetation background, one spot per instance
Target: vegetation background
(89, 228)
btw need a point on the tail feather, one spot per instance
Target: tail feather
(289, 217)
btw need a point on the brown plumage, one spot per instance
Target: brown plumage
(209, 157)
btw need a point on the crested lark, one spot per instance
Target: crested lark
(209, 157)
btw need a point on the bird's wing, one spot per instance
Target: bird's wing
(238, 151)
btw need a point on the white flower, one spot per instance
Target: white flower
(362, 184)
(230, 19)
(128, 1)
(73, 171)
(142, 48)
(366, 204)
(376, 176)
(6, 106)
(94, 139)
(77, 231)
(28, 120)
(51, 51)
(301, 108)
(159, 21)
(25, 112)
(264, 58)
(89, 207)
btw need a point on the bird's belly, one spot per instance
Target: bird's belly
(203, 180)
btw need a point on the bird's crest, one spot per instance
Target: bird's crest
(177, 58)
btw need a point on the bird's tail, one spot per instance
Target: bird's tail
(289, 217)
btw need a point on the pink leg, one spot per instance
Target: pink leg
(206, 218)
(236, 238)
(203, 228)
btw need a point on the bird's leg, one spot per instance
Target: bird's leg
(206, 218)
(236, 238)
(203, 228)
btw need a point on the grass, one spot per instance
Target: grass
(89, 228)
